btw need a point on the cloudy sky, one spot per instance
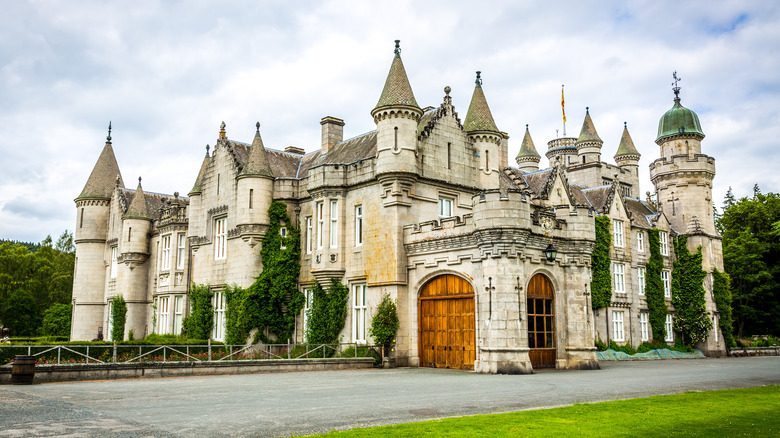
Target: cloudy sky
(166, 73)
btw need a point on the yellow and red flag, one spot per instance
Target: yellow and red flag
(562, 106)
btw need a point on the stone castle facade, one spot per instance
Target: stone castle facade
(426, 209)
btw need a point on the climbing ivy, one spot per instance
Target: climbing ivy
(328, 313)
(654, 288)
(272, 302)
(691, 319)
(601, 285)
(199, 322)
(119, 317)
(721, 290)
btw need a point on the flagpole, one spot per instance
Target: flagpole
(563, 110)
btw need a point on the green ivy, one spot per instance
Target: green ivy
(328, 313)
(199, 322)
(236, 319)
(654, 288)
(721, 290)
(118, 316)
(601, 285)
(384, 324)
(691, 319)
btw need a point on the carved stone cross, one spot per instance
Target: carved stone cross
(489, 289)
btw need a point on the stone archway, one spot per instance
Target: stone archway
(541, 322)
(447, 337)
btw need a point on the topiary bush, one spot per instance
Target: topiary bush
(119, 317)
(384, 324)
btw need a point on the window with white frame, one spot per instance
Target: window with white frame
(309, 230)
(667, 284)
(640, 278)
(320, 224)
(220, 238)
(669, 326)
(283, 233)
(617, 227)
(218, 332)
(113, 262)
(664, 243)
(644, 332)
(165, 253)
(162, 315)
(334, 223)
(640, 241)
(178, 311)
(619, 277)
(359, 313)
(358, 225)
(445, 207)
(618, 333)
(181, 250)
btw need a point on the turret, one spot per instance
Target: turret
(483, 133)
(255, 185)
(528, 159)
(396, 116)
(91, 233)
(627, 157)
(588, 143)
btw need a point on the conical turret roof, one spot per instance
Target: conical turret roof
(527, 149)
(102, 180)
(199, 180)
(257, 161)
(626, 144)
(479, 117)
(397, 90)
(588, 132)
(137, 208)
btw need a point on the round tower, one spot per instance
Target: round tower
(396, 116)
(483, 133)
(255, 186)
(90, 235)
(627, 157)
(528, 159)
(589, 143)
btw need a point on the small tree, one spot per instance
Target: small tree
(119, 316)
(384, 324)
(201, 318)
(56, 320)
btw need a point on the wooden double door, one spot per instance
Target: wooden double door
(540, 308)
(447, 336)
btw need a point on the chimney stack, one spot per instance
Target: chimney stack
(332, 132)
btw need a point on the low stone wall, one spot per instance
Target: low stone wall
(62, 373)
(755, 351)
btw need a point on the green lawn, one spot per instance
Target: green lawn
(729, 412)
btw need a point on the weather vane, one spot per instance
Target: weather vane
(676, 87)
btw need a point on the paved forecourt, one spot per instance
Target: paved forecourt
(310, 402)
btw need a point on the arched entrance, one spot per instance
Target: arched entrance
(541, 322)
(447, 336)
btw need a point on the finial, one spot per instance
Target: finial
(625, 125)
(176, 195)
(118, 178)
(139, 180)
(676, 87)
(397, 50)
(207, 150)
(108, 139)
(447, 90)
(222, 133)
(479, 79)
(447, 97)
(587, 110)
(526, 126)
(257, 125)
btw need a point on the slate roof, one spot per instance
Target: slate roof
(527, 148)
(639, 211)
(588, 132)
(257, 160)
(599, 197)
(138, 208)
(626, 146)
(102, 180)
(397, 90)
(479, 117)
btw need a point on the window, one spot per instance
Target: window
(644, 333)
(165, 254)
(667, 284)
(320, 223)
(283, 233)
(617, 326)
(334, 223)
(162, 316)
(664, 243)
(445, 207)
(81, 219)
(309, 230)
(220, 239)
(110, 323)
(669, 326)
(178, 309)
(640, 276)
(619, 277)
(113, 262)
(218, 332)
(308, 295)
(640, 241)
(358, 225)
(617, 226)
(251, 196)
(359, 313)
(449, 155)
(181, 246)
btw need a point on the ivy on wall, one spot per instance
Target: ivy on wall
(721, 291)
(328, 313)
(199, 322)
(601, 285)
(119, 317)
(654, 288)
(691, 319)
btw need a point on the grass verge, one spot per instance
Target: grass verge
(728, 412)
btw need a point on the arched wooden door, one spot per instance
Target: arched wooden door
(447, 337)
(541, 322)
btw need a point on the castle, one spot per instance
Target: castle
(489, 264)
